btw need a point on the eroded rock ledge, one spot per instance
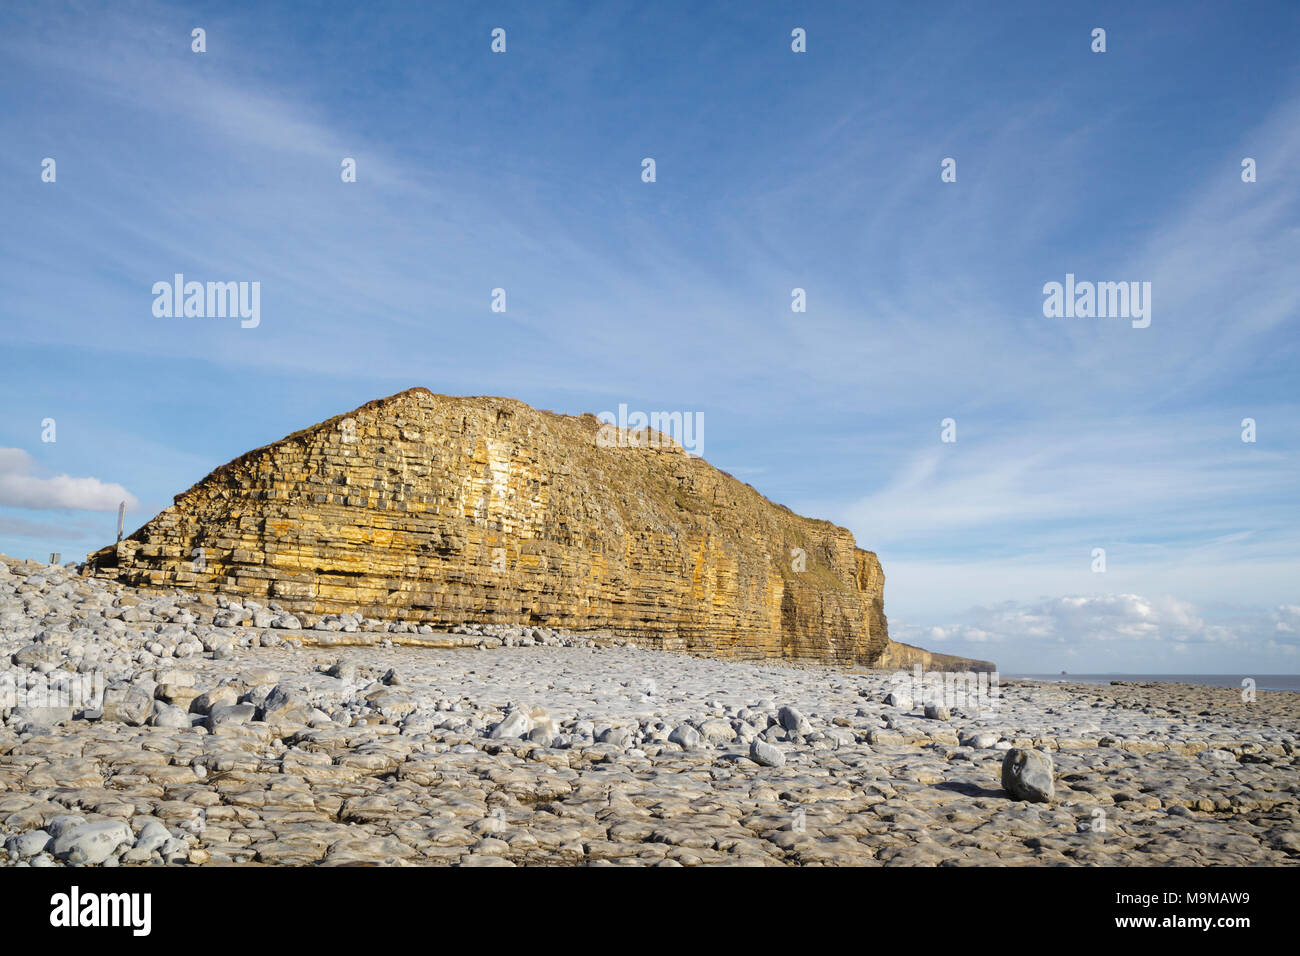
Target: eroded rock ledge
(445, 510)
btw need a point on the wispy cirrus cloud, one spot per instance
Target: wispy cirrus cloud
(1085, 481)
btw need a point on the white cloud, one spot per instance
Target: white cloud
(1085, 619)
(20, 487)
(1286, 619)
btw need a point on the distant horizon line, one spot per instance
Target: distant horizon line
(1150, 674)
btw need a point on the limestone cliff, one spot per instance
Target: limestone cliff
(447, 510)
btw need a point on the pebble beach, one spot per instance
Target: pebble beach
(155, 729)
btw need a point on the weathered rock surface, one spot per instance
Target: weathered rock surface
(443, 510)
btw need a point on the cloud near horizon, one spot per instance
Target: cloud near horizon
(1052, 630)
(20, 487)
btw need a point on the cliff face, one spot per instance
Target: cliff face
(448, 510)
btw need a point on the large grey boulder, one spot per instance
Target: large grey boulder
(169, 717)
(1028, 775)
(127, 704)
(152, 836)
(34, 655)
(233, 714)
(41, 716)
(516, 724)
(27, 844)
(768, 755)
(686, 737)
(717, 732)
(283, 706)
(899, 700)
(222, 696)
(618, 736)
(937, 711)
(92, 843)
(794, 722)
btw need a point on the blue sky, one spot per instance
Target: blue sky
(775, 170)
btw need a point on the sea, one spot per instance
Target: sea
(1262, 681)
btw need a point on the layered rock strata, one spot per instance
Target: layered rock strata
(446, 510)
